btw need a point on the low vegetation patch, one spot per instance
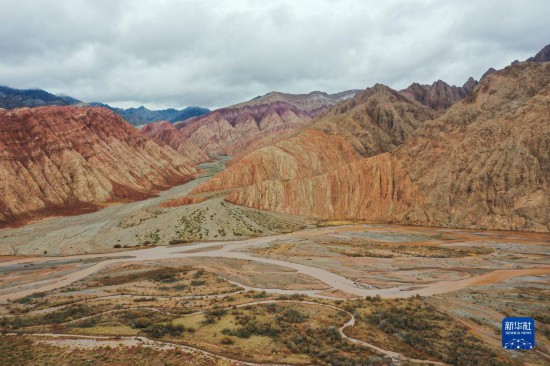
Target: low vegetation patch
(419, 330)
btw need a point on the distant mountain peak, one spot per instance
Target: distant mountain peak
(17, 98)
(439, 95)
(491, 70)
(542, 56)
(142, 115)
(307, 102)
(470, 85)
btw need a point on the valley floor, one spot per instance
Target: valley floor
(147, 223)
(230, 300)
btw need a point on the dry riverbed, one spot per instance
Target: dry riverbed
(467, 279)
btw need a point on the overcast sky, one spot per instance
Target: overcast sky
(215, 53)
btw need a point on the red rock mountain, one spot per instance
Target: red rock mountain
(375, 121)
(229, 131)
(166, 132)
(484, 163)
(69, 159)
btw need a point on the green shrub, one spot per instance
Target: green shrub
(227, 341)
(160, 330)
(293, 316)
(142, 322)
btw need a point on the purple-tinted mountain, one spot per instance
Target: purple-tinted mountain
(491, 71)
(231, 130)
(542, 56)
(440, 95)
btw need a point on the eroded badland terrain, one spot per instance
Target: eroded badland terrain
(370, 227)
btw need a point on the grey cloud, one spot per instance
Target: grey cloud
(214, 53)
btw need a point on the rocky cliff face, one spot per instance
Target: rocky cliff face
(440, 95)
(310, 153)
(373, 189)
(490, 71)
(231, 130)
(165, 132)
(484, 163)
(376, 120)
(68, 159)
(542, 56)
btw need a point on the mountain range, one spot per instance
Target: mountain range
(141, 115)
(229, 131)
(475, 155)
(17, 98)
(385, 157)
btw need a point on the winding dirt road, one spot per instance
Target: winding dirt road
(396, 357)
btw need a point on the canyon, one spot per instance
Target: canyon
(276, 183)
(369, 227)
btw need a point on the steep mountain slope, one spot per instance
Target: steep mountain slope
(439, 95)
(375, 121)
(68, 159)
(165, 132)
(231, 130)
(542, 56)
(17, 98)
(484, 163)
